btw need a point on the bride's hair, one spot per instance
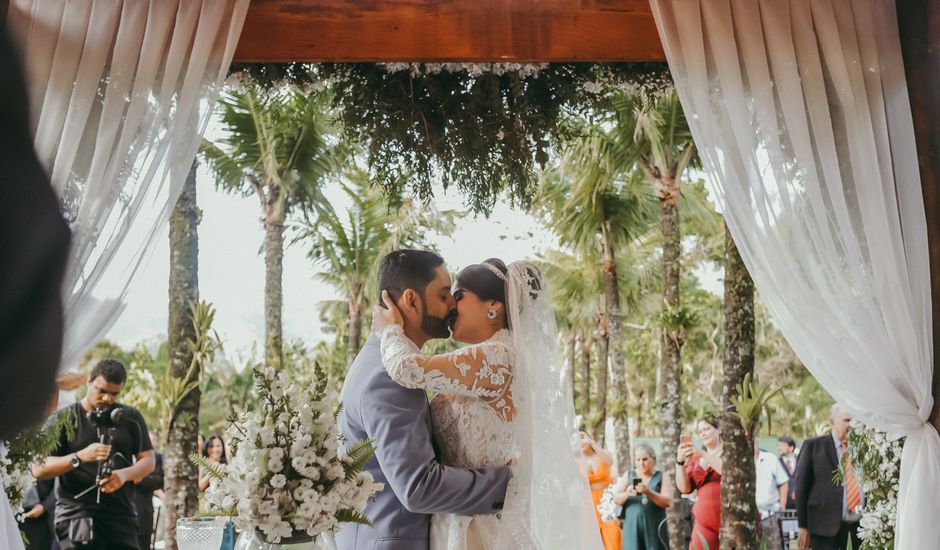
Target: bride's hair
(482, 279)
(488, 280)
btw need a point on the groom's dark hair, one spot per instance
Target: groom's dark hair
(404, 269)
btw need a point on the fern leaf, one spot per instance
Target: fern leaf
(214, 469)
(346, 515)
(359, 454)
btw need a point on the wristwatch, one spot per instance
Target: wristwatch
(75, 461)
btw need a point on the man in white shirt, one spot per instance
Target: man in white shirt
(771, 493)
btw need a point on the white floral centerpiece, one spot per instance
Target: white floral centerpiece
(876, 461)
(287, 478)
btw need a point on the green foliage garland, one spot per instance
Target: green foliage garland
(484, 128)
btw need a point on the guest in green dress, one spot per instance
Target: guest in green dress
(644, 495)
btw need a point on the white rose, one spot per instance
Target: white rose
(278, 481)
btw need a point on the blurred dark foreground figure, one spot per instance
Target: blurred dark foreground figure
(34, 242)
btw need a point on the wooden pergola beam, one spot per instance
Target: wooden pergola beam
(919, 27)
(449, 30)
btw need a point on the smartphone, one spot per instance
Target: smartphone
(635, 481)
(685, 439)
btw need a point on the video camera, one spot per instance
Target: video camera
(105, 421)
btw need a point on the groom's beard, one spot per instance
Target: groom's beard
(436, 327)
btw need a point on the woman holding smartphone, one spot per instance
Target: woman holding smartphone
(644, 493)
(700, 470)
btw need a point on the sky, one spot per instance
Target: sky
(231, 269)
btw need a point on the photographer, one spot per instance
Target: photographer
(97, 466)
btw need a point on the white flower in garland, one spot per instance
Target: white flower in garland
(472, 69)
(286, 457)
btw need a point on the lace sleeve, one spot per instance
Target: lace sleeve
(482, 370)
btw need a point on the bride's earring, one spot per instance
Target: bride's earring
(491, 314)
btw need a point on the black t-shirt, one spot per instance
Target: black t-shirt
(127, 442)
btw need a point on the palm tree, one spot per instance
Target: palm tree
(279, 146)
(597, 208)
(651, 133)
(349, 247)
(738, 531)
(181, 474)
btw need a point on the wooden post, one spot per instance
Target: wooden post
(919, 28)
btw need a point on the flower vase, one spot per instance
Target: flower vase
(255, 540)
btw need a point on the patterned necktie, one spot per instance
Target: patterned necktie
(853, 493)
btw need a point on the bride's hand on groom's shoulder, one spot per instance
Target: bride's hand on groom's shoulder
(384, 317)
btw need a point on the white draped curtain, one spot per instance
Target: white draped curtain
(120, 95)
(800, 113)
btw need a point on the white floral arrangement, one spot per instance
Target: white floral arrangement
(287, 477)
(876, 461)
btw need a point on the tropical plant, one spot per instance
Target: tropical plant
(281, 146)
(650, 132)
(172, 389)
(347, 249)
(752, 402)
(598, 213)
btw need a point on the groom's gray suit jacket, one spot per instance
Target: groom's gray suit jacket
(416, 485)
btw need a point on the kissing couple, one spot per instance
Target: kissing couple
(488, 464)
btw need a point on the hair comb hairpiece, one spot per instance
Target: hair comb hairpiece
(495, 270)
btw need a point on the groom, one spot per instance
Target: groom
(399, 420)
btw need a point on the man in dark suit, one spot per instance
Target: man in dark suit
(828, 514)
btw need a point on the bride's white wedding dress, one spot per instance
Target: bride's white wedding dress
(470, 418)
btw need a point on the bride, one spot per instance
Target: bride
(503, 399)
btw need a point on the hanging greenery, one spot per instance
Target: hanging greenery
(485, 128)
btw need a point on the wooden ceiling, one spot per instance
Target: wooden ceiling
(449, 30)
